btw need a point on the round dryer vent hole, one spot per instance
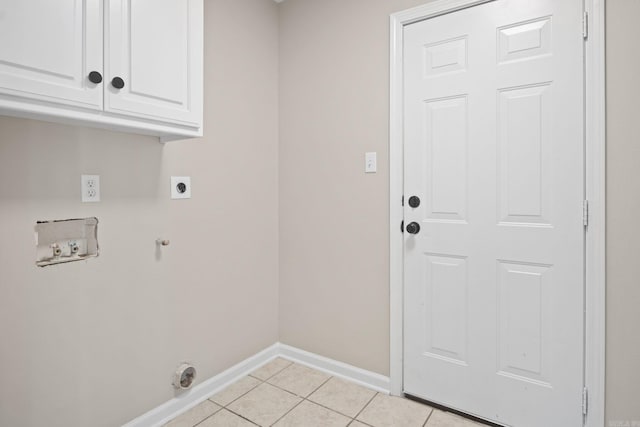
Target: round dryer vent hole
(185, 376)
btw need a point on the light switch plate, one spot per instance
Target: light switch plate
(370, 162)
(180, 187)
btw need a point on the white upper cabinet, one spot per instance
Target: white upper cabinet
(48, 48)
(149, 45)
(130, 65)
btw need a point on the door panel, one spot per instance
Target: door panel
(446, 143)
(446, 316)
(523, 137)
(48, 49)
(493, 121)
(162, 79)
(523, 296)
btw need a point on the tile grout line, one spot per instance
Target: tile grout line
(365, 407)
(317, 388)
(352, 418)
(287, 413)
(297, 395)
(242, 395)
(307, 398)
(303, 399)
(335, 410)
(362, 422)
(269, 384)
(226, 407)
(261, 383)
(330, 409)
(271, 376)
(244, 418)
(278, 373)
(428, 418)
(359, 421)
(286, 391)
(220, 408)
(324, 406)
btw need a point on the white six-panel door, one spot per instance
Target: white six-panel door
(493, 293)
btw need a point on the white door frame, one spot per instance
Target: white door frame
(595, 193)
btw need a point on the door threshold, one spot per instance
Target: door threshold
(452, 411)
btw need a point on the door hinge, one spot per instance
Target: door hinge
(585, 400)
(403, 200)
(585, 212)
(585, 25)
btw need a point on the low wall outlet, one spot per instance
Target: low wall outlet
(90, 187)
(180, 187)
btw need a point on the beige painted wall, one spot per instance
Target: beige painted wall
(334, 106)
(623, 205)
(333, 218)
(95, 343)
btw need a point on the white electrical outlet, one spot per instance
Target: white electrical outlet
(180, 187)
(90, 187)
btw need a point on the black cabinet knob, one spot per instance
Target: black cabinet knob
(117, 82)
(414, 201)
(413, 228)
(95, 77)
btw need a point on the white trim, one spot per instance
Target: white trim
(595, 289)
(432, 9)
(335, 368)
(595, 187)
(180, 404)
(396, 214)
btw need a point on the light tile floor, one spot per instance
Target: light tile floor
(285, 394)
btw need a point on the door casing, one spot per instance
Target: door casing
(595, 146)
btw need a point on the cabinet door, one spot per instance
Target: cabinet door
(48, 48)
(155, 47)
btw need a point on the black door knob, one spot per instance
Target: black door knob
(413, 228)
(117, 82)
(95, 77)
(414, 201)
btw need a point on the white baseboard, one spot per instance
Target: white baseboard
(199, 393)
(332, 367)
(176, 406)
